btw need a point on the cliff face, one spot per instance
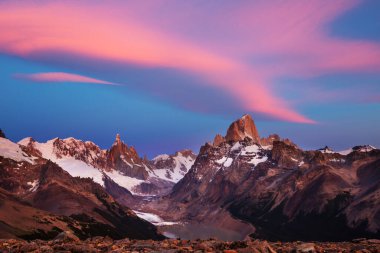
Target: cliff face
(242, 128)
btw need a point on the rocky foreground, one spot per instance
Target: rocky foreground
(105, 244)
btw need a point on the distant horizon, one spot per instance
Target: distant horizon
(195, 151)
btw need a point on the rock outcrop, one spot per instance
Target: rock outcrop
(126, 160)
(219, 139)
(242, 128)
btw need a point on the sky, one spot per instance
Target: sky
(169, 75)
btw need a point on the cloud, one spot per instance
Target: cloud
(227, 46)
(62, 77)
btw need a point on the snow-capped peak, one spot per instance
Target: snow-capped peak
(11, 150)
(26, 141)
(160, 158)
(173, 167)
(362, 148)
(326, 150)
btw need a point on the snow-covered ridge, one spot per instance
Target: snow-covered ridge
(85, 159)
(173, 167)
(73, 166)
(13, 151)
(363, 148)
(25, 141)
(79, 158)
(161, 157)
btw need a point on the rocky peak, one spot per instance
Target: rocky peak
(126, 160)
(119, 148)
(242, 128)
(26, 141)
(363, 148)
(117, 140)
(326, 149)
(286, 155)
(270, 139)
(28, 145)
(218, 140)
(186, 153)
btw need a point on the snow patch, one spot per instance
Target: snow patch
(154, 219)
(34, 185)
(161, 157)
(236, 146)
(124, 181)
(345, 152)
(249, 150)
(256, 160)
(228, 162)
(77, 168)
(221, 160)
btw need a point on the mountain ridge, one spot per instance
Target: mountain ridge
(238, 181)
(281, 189)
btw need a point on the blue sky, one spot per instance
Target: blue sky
(181, 79)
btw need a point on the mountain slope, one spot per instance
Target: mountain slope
(18, 219)
(83, 206)
(282, 190)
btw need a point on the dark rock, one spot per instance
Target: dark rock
(2, 134)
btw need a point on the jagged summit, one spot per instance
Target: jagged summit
(218, 140)
(242, 128)
(118, 141)
(363, 148)
(326, 149)
(118, 138)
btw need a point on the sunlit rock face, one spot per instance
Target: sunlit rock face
(242, 128)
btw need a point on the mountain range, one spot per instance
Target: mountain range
(266, 187)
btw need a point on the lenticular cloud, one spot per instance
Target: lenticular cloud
(62, 77)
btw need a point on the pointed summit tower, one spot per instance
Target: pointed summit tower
(242, 128)
(124, 158)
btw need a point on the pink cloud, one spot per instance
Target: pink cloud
(62, 77)
(300, 38)
(184, 36)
